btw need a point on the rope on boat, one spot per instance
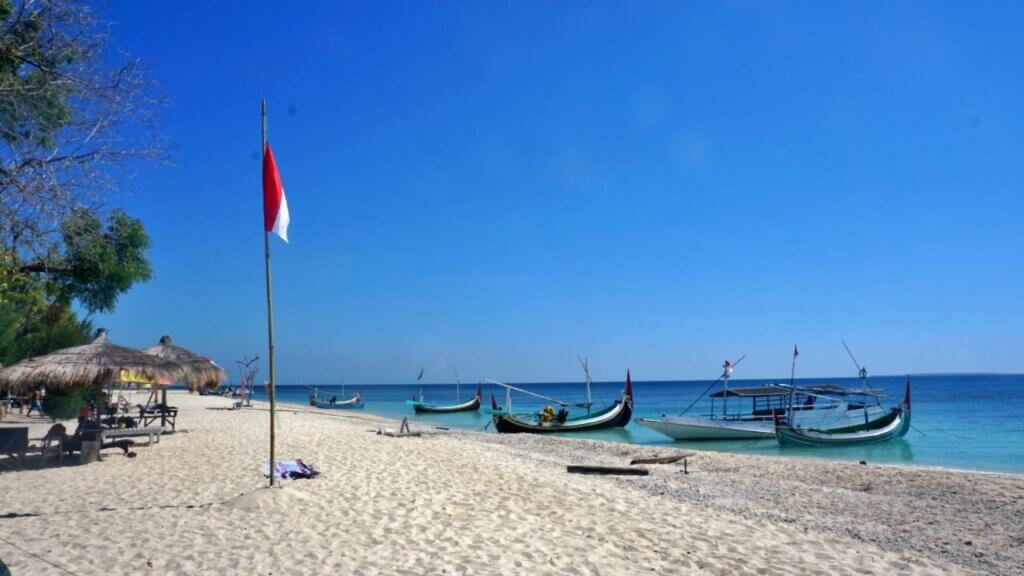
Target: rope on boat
(541, 396)
(747, 445)
(957, 436)
(712, 385)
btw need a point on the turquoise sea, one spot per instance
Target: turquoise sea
(962, 421)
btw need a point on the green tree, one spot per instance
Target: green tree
(75, 117)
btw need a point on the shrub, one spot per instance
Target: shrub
(63, 405)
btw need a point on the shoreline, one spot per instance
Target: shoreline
(689, 446)
(471, 503)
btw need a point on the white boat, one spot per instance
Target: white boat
(682, 428)
(752, 412)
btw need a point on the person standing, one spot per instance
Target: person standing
(35, 403)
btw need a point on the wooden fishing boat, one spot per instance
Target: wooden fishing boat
(894, 425)
(751, 413)
(355, 402)
(469, 406)
(616, 415)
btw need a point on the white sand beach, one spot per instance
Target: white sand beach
(467, 503)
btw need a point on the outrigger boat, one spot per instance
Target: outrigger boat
(419, 405)
(472, 405)
(894, 424)
(333, 403)
(507, 421)
(751, 414)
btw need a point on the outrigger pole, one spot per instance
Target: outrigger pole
(509, 388)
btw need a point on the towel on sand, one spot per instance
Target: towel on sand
(290, 469)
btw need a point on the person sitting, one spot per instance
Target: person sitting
(547, 414)
(86, 431)
(562, 415)
(334, 400)
(312, 399)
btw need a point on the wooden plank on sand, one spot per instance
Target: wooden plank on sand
(617, 470)
(662, 459)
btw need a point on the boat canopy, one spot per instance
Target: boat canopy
(786, 390)
(754, 392)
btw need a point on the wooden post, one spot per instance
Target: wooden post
(270, 300)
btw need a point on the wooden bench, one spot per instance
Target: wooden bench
(165, 414)
(112, 433)
(14, 442)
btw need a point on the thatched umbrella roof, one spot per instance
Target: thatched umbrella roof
(93, 365)
(197, 371)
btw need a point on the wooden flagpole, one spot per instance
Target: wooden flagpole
(270, 300)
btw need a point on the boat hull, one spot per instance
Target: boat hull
(896, 424)
(471, 406)
(329, 406)
(354, 403)
(702, 429)
(615, 416)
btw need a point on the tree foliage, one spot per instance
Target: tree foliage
(75, 120)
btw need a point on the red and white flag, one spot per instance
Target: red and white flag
(275, 205)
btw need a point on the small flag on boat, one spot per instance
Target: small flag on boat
(796, 351)
(420, 377)
(275, 206)
(728, 369)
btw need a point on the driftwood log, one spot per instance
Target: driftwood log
(607, 470)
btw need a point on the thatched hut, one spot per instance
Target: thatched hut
(94, 365)
(197, 371)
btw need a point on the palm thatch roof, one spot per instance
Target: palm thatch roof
(197, 371)
(93, 365)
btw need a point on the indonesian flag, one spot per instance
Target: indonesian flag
(275, 206)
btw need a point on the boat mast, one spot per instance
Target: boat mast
(726, 372)
(419, 379)
(586, 372)
(457, 383)
(862, 373)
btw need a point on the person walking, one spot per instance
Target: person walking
(35, 403)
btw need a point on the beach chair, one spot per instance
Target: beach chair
(14, 443)
(53, 442)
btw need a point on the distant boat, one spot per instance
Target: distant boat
(354, 402)
(470, 406)
(893, 425)
(507, 421)
(420, 405)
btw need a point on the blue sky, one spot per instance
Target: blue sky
(658, 186)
